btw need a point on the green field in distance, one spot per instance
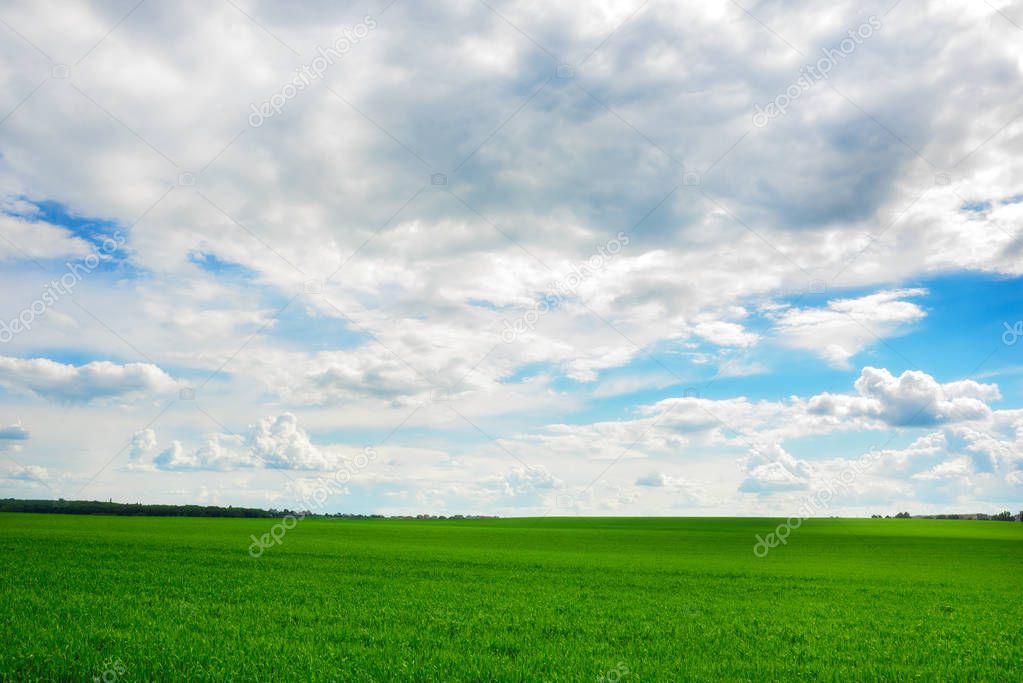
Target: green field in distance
(554, 599)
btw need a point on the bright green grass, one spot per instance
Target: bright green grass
(510, 599)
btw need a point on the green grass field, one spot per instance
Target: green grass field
(662, 599)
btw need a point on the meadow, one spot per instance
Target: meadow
(556, 599)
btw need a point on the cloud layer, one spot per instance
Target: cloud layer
(510, 245)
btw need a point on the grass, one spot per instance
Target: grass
(572, 599)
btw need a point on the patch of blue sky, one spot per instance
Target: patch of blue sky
(976, 207)
(971, 320)
(107, 237)
(90, 229)
(488, 305)
(967, 315)
(982, 205)
(213, 264)
(961, 336)
(300, 327)
(529, 370)
(786, 374)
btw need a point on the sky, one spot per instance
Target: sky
(514, 258)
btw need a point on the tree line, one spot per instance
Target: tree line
(95, 507)
(1003, 516)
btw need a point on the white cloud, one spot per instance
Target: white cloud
(281, 443)
(773, 469)
(845, 327)
(33, 239)
(89, 382)
(217, 454)
(726, 334)
(912, 399)
(273, 443)
(957, 469)
(174, 457)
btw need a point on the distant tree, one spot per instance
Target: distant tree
(1003, 516)
(902, 515)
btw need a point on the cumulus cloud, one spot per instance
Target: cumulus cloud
(957, 469)
(93, 381)
(281, 443)
(913, 399)
(845, 327)
(773, 469)
(274, 443)
(174, 457)
(217, 454)
(979, 442)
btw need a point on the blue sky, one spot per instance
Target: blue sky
(538, 261)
